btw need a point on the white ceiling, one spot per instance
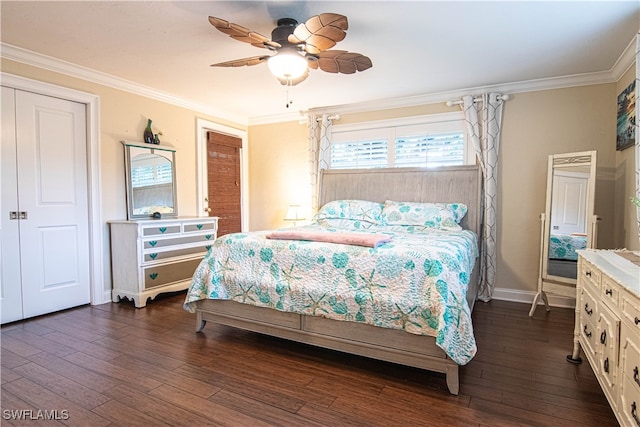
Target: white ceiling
(418, 48)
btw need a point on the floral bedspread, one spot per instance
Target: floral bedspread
(564, 246)
(417, 282)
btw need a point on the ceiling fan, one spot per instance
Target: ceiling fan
(297, 47)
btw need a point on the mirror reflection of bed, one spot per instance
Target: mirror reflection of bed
(568, 223)
(568, 219)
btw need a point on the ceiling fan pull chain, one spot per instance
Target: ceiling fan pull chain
(289, 101)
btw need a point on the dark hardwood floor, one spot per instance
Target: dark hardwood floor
(114, 365)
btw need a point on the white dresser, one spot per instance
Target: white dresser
(608, 327)
(149, 257)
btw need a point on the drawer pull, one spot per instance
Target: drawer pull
(588, 273)
(603, 337)
(634, 413)
(162, 229)
(153, 276)
(153, 243)
(153, 256)
(636, 320)
(608, 292)
(605, 365)
(207, 236)
(636, 377)
(588, 334)
(199, 226)
(589, 311)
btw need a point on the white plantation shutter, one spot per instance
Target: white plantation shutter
(151, 175)
(430, 151)
(359, 154)
(422, 141)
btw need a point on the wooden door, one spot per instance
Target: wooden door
(223, 181)
(52, 198)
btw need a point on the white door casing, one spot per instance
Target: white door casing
(10, 289)
(97, 228)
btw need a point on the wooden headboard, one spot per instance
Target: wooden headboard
(451, 184)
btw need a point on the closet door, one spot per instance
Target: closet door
(10, 287)
(52, 190)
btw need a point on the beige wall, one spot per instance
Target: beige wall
(278, 173)
(535, 125)
(123, 116)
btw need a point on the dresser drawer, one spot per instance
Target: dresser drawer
(630, 309)
(608, 345)
(588, 336)
(200, 227)
(590, 274)
(630, 354)
(588, 306)
(159, 275)
(610, 291)
(629, 403)
(161, 230)
(177, 241)
(154, 256)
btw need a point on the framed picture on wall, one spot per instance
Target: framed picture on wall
(626, 126)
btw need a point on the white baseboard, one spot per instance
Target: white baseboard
(106, 297)
(517, 295)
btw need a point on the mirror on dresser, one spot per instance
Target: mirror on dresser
(151, 180)
(568, 223)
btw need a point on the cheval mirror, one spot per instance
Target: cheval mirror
(151, 180)
(568, 223)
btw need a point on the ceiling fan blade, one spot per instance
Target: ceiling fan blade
(242, 34)
(320, 32)
(254, 60)
(341, 61)
(293, 82)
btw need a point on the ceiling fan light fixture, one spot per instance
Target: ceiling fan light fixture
(287, 64)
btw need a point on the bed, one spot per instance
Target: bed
(353, 298)
(564, 246)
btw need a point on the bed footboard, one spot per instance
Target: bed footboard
(389, 345)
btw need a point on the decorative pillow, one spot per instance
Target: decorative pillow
(356, 210)
(442, 216)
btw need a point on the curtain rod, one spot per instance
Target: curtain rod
(303, 120)
(476, 99)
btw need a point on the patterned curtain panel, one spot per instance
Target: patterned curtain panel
(484, 119)
(319, 128)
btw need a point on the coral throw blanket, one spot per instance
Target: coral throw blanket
(358, 239)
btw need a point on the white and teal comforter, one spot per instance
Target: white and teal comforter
(417, 282)
(564, 246)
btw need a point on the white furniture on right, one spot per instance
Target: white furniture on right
(608, 327)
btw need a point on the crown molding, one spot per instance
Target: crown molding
(17, 54)
(49, 63)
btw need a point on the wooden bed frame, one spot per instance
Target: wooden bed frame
(446, 184)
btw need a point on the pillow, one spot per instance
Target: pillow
(441, 216)
(357, 210)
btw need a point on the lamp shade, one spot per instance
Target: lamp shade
(294, 213)
(287, 64)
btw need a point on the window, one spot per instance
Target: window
(426, 141)
(149, 171)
